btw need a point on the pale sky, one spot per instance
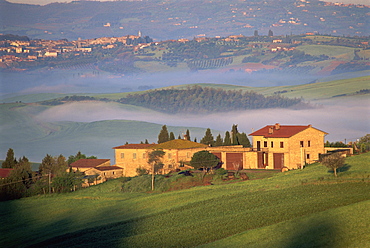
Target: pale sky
(43, 2)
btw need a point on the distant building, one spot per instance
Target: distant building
(96, 171)
(4, 173)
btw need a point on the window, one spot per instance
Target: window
(134, 155)
(309, 143)
(169, 156)
(281, 144)
(301, 143)
(308, 156)
(265, 144)
(113, 172)
(272, 144)
(122, 155)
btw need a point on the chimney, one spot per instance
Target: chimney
(277, 126)
(271, 130)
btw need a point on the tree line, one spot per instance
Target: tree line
(234, 137)
(53, 176)
(198, 99)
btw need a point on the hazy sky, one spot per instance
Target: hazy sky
(42, 2)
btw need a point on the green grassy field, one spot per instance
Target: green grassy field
(301, 208)
(313, 91)
(331, 51)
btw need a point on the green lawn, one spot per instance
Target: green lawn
(301, 208)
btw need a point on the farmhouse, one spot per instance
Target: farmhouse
(96, 170)
(274, 147)
(281, 146)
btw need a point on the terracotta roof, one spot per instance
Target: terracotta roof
(280, 131)
(106, 168)
(5, 172)
(89, 163)
(134, 146)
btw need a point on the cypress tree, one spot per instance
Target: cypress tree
(187, 134)
(227, 140)
(163, 135)
(208, 138)
(219, 141)
(172, 136)
(234, 135)
(243, 140)
(10, 161)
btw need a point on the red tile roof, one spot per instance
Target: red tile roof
(280, 131)
(5, 172)
(134, 146)
(89, 163)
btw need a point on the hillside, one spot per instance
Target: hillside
(288, 210)
(165, 20)
(311, 91)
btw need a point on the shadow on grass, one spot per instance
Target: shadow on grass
(346, 167)
(314, 233)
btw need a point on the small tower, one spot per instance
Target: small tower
(139, 33)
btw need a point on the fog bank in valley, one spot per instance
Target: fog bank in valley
(347, 121)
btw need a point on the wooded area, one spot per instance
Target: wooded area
(198, 99)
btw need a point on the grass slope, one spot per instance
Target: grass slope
(288, 210)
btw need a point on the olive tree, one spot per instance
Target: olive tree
(204, 160)
(333, 161)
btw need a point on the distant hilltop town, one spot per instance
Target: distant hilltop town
(131, 53)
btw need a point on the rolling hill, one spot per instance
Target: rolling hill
(295, 208)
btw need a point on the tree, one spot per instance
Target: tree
(187, 137)
(270, 34)
(208, 138)
(10, 160)
(243, 140)
(67, 182)
(255, 33)
(154, 159)
(172, 136)
(163, 135)
(227, 139)
(219, 141)
(333, 161)
(204, 160)
(79, 156)
(141, 171)
(234, 135)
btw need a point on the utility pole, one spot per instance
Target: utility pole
(49, 182)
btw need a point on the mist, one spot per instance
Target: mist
(58, 81)
(346, 121)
